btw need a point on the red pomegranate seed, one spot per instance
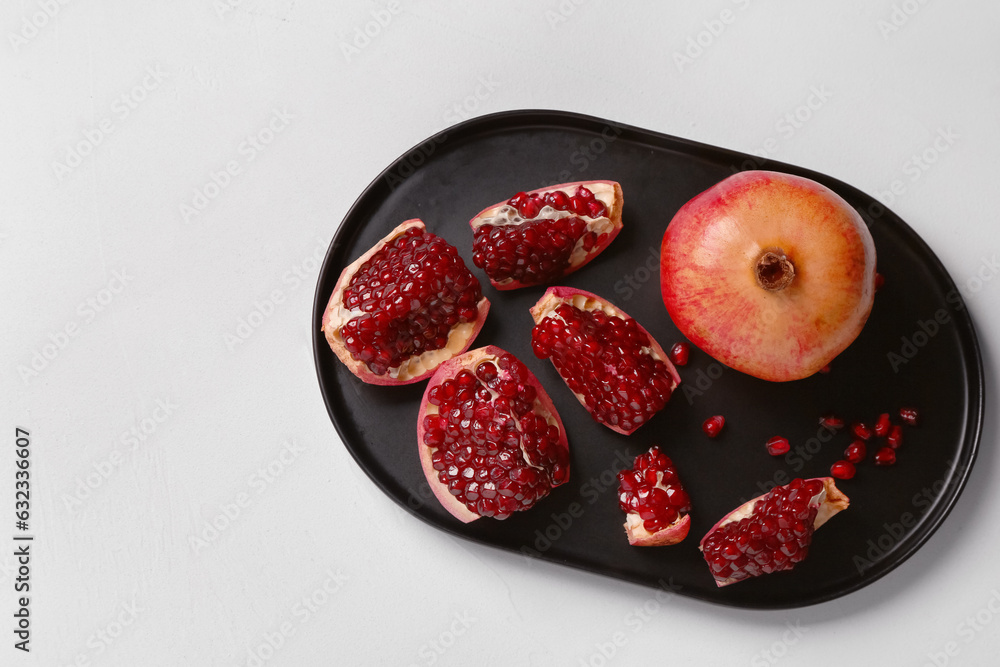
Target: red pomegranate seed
(843, 470)
(861, 430)
(832, 422)
(882, 425)
(584, 193)
(879, 281)
(825, 369)
(713, 425)
(895, 438)
(679, 354)
(910, 416)
(856, 451)
(885, 456)
(558, 200)
(778, 446)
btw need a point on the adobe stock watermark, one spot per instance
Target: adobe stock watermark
(363, 35)
(248, 150)
(76, 153)
(967, 630)
(303, 611)
(894, 532)
(781, 647)
(590, 491)
(900, 15)
(926, 329)
(696, 45)
(236, 507)
(128, 442)
(34, 22)
(584, 155)
(913, 169)
(434, 649)
(786, 126)
(87, 311)
(632, 282)
(102, 639)
(563, 11)
(470, 105)
(635, 620)
(298, 274)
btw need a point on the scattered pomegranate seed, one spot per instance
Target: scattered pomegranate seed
(843, 470)
(909, 415)
(856, 451)
(713, 425)
(777, 446)
(679, 354)
(882, 425)
(861, 430)
(895, 436)
(832, 422)
(879, 281)
(825, 369)
(885, 456)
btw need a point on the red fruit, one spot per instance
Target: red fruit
(910, 416)
(713, 425)
(882, 425)
(861, 430)
(843, 470)
(856, 451)
(679, 354)
(404, 307)
(832, 422)
(895, 438)
(885, 456)
(490, 440)
(654, 501)
(772, 532)
(536, 237)
(771, 274)
(610, 363)
(778, 446)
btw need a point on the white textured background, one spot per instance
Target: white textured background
(115, 516)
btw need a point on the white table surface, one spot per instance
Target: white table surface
(116, 113)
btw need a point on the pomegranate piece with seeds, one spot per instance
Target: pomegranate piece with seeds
(778, 446)
(713, 425)
(679, 354)
(537, 237)
(610, 363)
(404, 307)
(772, 532)
(654, 501)
(491, 442)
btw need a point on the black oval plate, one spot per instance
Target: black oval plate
(919, 348)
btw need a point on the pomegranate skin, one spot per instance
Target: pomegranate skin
(332, 321)
(724, 291)
(608, 192)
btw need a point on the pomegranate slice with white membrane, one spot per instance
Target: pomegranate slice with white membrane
(655, 503)
(537, 237)
(404, 307)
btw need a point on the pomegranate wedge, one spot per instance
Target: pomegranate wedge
(491, 442)
(610, 363)
(772, 532)
(404, 307)
(655, 503)
(537, 237)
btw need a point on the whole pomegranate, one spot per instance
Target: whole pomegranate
(404, 307)
(535, 237)
(490, 440)
(769, 273)
(772, 532)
